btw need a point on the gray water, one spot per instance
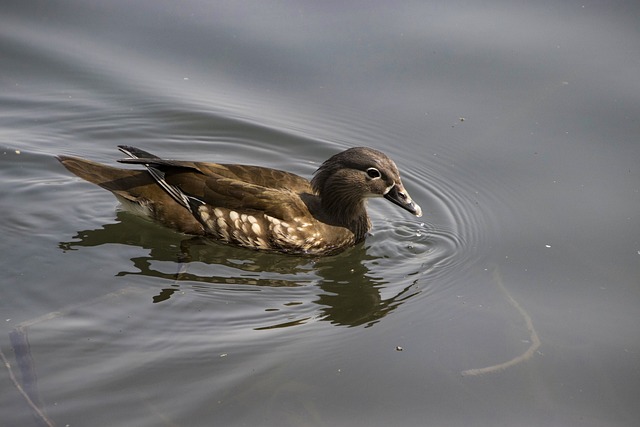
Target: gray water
(514, 301)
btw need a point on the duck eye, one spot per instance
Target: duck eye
(373, 173)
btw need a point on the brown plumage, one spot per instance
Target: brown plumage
(252, 206)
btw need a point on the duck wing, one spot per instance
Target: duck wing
(238, 188)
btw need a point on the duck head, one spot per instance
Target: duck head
(347, 179)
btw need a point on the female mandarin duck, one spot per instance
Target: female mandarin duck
(252, 206)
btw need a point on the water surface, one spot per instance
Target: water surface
(514, 300)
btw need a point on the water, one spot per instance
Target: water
(514, 126)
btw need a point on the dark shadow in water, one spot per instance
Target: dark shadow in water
(350, 294)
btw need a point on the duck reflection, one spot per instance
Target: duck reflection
(349, 295)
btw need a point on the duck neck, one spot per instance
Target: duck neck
(347, 210)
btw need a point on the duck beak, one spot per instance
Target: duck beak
(398, 195)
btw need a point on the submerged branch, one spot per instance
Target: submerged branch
(533, 336)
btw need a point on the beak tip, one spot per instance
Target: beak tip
(404, 202)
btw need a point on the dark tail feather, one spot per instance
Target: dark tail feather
(138, 156)
(173, 191)
(136, 153)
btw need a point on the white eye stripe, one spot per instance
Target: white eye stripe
(373, 173)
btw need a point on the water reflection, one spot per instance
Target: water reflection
(348, 293)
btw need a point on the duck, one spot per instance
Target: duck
(253, 206)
